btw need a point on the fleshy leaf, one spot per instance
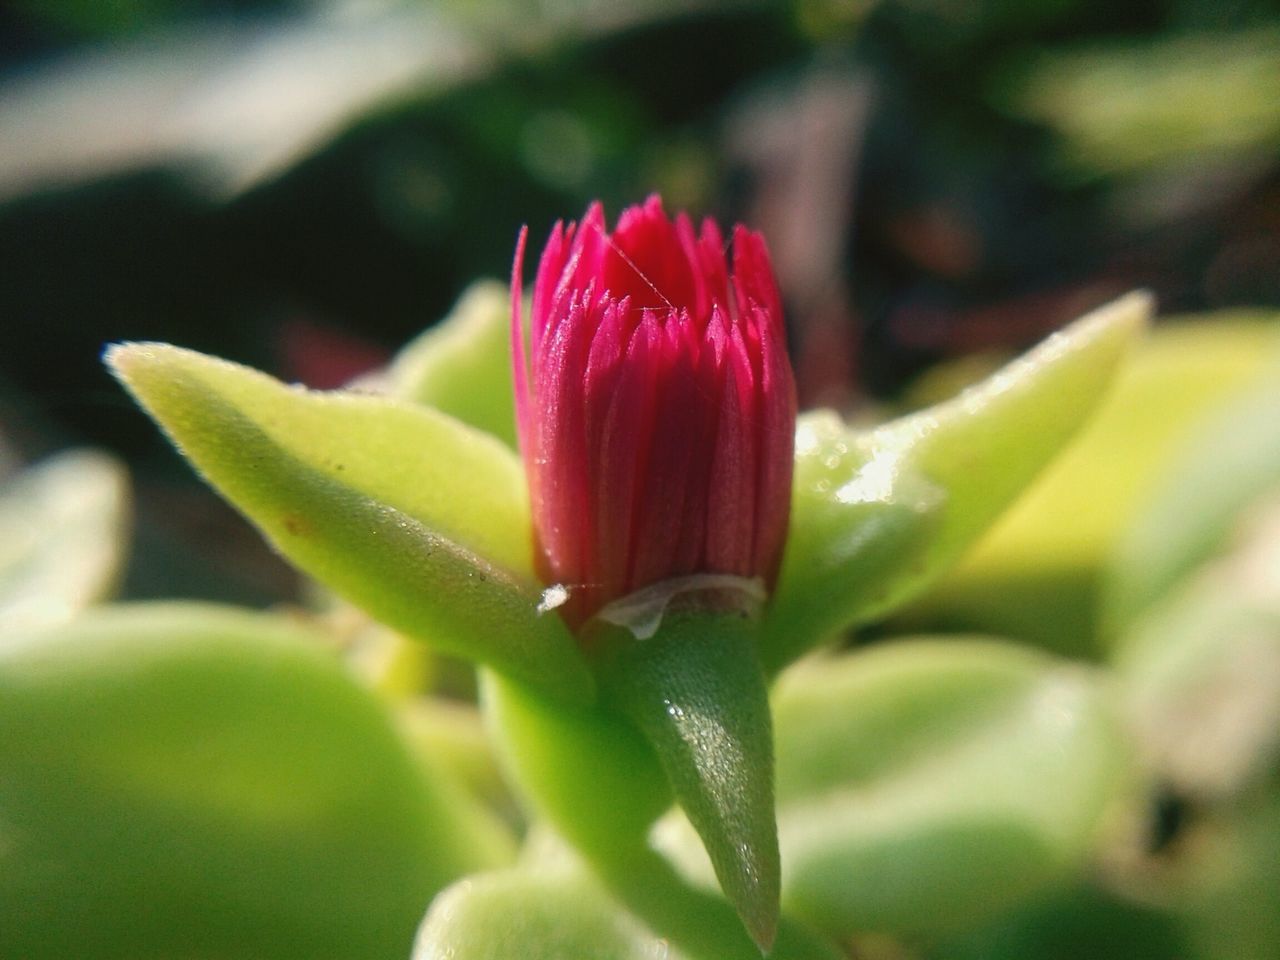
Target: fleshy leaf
(192, 780)
(406, 512)
(877, 515)
(925, 785)
(697, 693)
(451, 732)
(63, 535)
(1037, 573)
(462, 366)
(533, 913)
(587, 772)
(598, 783)
(1082, 921)
(1199, 672)
(1229, 462)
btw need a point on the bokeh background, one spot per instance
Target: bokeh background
(303, 186)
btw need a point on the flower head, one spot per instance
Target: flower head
(655, 405)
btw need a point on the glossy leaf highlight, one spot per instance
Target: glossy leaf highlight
(877, 515)
(1037, 574)
(697, 693)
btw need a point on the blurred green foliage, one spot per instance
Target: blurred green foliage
(184, 780)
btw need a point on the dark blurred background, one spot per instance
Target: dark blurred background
(303, 186)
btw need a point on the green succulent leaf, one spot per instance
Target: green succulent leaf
(593, 777)
(1228, 463)
(404, 511)
(191, 780)
(878, 515)
(1078, 922)
(697, 693)
(925, 785)
(533, 913)
(462, 366)
(451, 732)
(586, 771)
(63, 537)
(1199, 672)
(1039, 573)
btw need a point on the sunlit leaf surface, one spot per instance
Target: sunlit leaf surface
(877, 515)
(408, 513)
(925, 785)
(1199, 672)
(462, 366)
(186, 780)
(697, 693)
(534, 913)
(1227, 462)
(1037, 575)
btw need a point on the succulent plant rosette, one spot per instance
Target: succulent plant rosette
(599, 493)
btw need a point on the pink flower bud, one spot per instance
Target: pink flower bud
(655, 404)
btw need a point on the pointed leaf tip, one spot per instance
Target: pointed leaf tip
(878, 515)
(406, 512)
(697, 693)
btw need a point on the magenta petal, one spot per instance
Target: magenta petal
(620, 470)
(731, 501)
(655, 402)
(661, 502)
(753, 274)
(777, 450)
(646, 260)
(699, 305)
(712, 265)
(604, 366)
(559, 486)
